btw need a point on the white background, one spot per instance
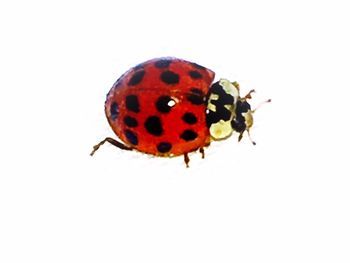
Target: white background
(284, 200)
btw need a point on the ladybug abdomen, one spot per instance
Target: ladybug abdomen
(159, 107)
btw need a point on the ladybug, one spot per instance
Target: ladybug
(170, 107)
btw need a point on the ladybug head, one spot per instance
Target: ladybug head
(227, 111)
(243, 118)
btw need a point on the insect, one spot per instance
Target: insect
(170, 107)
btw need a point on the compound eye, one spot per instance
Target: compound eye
(242, 106)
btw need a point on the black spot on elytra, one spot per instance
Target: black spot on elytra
(189, 135)
(164, 147)
(170, 77)
(130, 121)
(189, 118)
(198, 66)
(136, 78)
(162, 104)
(131, 137)
(153, 125)
(162, 63)
(195, 74)
(132, 103)
(196, 96)
(114, 110)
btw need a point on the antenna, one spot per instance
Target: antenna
(261, 103)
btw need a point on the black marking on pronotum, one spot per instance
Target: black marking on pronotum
(170, 77)
(136, 78)
(114, 110)
(131, 137)
(189, 118)
(162, 104)
(188, 135)
(221, 112)
(196, 96)
(224, 98)
(164, 147)
(194, 74)
(153, 125)
(132, 103)
(162, 63)
(211, 117)
(130, 121)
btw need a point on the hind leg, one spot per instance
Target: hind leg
(111, 141)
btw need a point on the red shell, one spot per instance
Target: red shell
(138, 111)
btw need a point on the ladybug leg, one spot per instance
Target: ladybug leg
(249, 94)
(201, 150)
(186, 159)
(240, 136)
(111, 141)
(250, 138)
